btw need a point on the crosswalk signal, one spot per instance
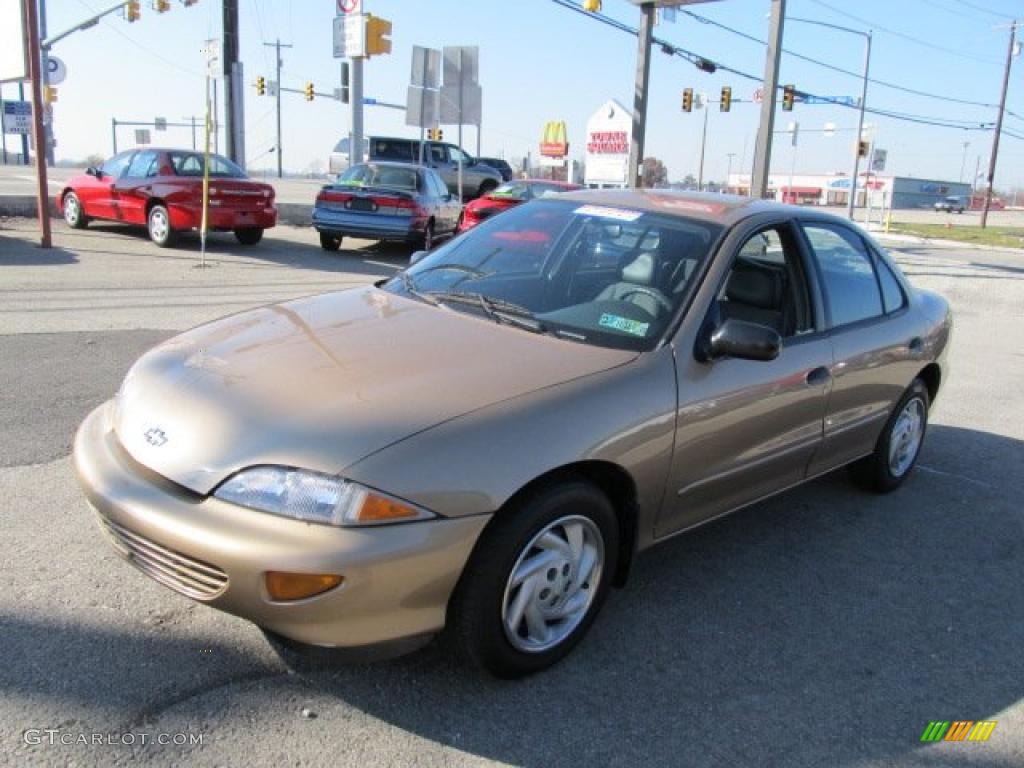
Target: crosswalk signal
(49, 94)
(862, 149)
(378, 31)
(687, 99)
(308, 90)
(132, 11)
(788, 97)
(261, 85)
(725, 103)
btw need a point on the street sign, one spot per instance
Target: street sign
(142, 136)
(758, 95)
(426, 66)
(160, 123)
(878, 160)
(848, 101)
(349, 6)
(55, 71)
(461, 64)
(464, 108)
(18, 117)
(271, 87)
(422, 95)
(350, 36)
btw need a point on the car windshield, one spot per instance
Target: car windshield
(585, 273)
(373, 175)
(191, 164)
(512, 190)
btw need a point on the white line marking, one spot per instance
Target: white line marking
(954, 474)
(382, 264)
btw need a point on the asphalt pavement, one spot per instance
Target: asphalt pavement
(825, 627)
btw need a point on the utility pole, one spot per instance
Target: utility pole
(763, 148)
(355, 149)
(234, 90)
(45, 65)
(860, 127)
(643, 75)
(999, 128)
(963, 163)
(277, 46)
(35, 63)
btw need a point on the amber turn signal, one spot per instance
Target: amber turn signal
(296, 586)
(382, 509)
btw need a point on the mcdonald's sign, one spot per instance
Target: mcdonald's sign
(554, 143)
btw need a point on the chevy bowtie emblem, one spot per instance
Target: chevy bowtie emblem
(155, 436)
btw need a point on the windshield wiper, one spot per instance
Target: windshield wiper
(410, 287)
(499, 310)
(457, 267)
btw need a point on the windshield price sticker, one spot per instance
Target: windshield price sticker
(608, 213)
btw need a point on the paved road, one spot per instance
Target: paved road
(825, 627)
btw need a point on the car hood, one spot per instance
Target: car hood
(322, 382)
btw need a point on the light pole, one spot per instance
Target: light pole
(863, 99)
(963, 163)
(728, 173)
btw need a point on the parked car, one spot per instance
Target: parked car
(951, 204)
(161, 189)
(486, 439)
(499, 165)
(338, 161)
(477, 177)
(509, 194)
(385, 201)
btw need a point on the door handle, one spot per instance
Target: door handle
(916, 345)
(816, 377)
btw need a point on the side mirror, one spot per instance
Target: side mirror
(92, 171)
(416, 256)
(743, 340)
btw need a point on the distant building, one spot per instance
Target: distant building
(607, 159)
(873, 188)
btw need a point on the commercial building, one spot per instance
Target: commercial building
(876, 189)
(607, 157)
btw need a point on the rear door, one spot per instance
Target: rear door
(876, 351)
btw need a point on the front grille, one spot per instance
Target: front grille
(181, 573)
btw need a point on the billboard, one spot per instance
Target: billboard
(13, 43)
(607, 158)
(554, 142)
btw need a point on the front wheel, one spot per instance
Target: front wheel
(249, 236)
(899, 444)
(159, 225)
(486, 187)
(536, 580)
(74, 214)
(428, 237)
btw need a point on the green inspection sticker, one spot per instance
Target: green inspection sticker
(624, 324)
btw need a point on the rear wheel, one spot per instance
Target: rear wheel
(74, 215)
(249, 236)
(428, 237)
(536, 580)
(899, 444)
(486, 187)
(159, 225)
(330, 242)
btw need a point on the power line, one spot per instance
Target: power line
(983, 10)
(834, 68)
(903, 35)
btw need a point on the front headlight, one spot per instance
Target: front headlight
(315, 498)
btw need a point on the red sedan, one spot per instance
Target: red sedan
(507, 195)
(162, 189)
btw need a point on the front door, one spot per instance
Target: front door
(132, 190)
(747, 428)
(98, 198)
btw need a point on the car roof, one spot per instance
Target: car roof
(705, 206)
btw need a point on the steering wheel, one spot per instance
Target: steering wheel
(656, 295)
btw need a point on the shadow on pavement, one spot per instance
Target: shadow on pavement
(16, 252)
(825, 627)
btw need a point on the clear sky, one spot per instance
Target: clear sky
(540, 62)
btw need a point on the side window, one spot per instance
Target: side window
(439, 185)
(767, 284)
(437, 154)
(892, 293)
(142, 165)
(117, 165)
(847, 273)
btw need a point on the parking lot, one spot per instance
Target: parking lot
(824, 627)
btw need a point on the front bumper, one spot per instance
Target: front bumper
(397, 578)
(406, 229)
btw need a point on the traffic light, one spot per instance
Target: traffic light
(261, 85)
(344, 83)
(788, 96)
(161, 6)
(862, 149)
(687, 99)
(49, 94)
(377, 33)
(308, 90)
(132, 12)
(725, 103)
(435, 134)
(592, 6)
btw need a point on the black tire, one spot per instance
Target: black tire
(330, 242)
(249, 236)
(486, 187)
(876, 472)
(158, 222)
(74, 213)
(458, 223)
(427, 241)
(476, 625)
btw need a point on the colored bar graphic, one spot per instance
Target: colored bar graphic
(958, 730)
